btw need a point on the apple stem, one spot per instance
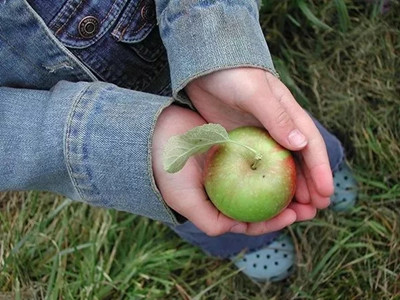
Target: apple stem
(257, 159)
(257, 156)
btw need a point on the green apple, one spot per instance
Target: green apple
(245, 186)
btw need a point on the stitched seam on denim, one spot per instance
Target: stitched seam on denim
(67, 139)
(141, 37)
(109, 12)
(119, 33)
(70, 16)
(131, 18)
(62, 13)
(125, 16)
(136, 31)
(21, 55)
(179, 14)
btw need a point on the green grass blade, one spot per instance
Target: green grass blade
(202, 293)
(311, 17)
(290, 83)
(343, 15)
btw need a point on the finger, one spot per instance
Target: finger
(301, 195)
(317, 200)
(314, 154)
(303, 211)
(284, 219)
(274, 117)
(317, 162)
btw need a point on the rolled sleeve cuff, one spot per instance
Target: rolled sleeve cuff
(107, 144)
(202, 38)
(90, 142)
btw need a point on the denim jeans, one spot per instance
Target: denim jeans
(123, 47)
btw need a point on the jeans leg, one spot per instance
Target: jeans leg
(225, 245)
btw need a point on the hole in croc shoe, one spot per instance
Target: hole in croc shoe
(337, 184)
(258, 255)
(276, 250)
(345, 177)
(285, 255)
(265, 267)
(268, 256)
(276, 263)
(344, 200)
(244, 259)
(283, 245)
(254, 265)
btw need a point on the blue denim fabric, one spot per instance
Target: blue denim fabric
(91, 141)
(126, 50)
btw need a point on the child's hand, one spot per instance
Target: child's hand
(251, 96)
(184, 191)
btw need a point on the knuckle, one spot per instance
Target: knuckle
(281, 93)
(282, 118)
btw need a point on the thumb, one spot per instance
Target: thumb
(275, 117)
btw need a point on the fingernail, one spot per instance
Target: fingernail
(297, 139)
(238, 228)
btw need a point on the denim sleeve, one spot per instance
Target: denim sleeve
(88, 141)
(202, 36)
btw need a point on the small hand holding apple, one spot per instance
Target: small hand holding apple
(247, 175)
(184, 191)
(251, 96)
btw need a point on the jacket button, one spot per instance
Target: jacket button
(148, 13)
(88, 27)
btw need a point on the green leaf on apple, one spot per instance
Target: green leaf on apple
(195, 141)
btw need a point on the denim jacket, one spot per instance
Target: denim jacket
(82, 84)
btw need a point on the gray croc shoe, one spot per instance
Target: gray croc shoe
(272, 263)
(346, 189)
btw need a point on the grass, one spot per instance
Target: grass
(341, 60)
